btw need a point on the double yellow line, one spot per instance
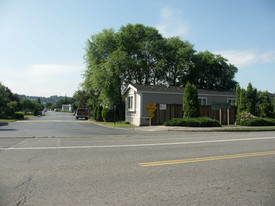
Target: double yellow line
(204, 159)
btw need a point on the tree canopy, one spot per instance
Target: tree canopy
(140, 54)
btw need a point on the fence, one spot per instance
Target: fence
(175, 111)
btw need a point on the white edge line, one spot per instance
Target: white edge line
(134, 145)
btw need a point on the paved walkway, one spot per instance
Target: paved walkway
(204, 129)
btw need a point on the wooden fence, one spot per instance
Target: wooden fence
(175, 111)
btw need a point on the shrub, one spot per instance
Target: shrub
(191, 107)
(95, 112)
(243, 116)
(98, 114)
(35, 111)
(258, 121)
(19, 115)
(193, 122)
(107, 114)
(265, 107)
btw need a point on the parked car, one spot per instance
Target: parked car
(82, 113)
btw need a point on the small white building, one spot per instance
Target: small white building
(67, 107)
(168, 101)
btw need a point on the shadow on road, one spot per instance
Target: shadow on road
(3, 123)
(6, 130)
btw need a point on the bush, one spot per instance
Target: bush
(258, 121)
(35, 111)
(98, 114)
(191, 106)
(107, 115)
(193, 122)
(19, 115)
(243, 116)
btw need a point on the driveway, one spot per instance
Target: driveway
(58, 124)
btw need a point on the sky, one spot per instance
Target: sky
(42, 43)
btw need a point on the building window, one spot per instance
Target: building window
(203, 100)
(231, 101)
(131, 103)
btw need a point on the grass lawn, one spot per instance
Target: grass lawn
(13, 120)
(117, 124)
(7, 120)
(251, 128)
(30, 116)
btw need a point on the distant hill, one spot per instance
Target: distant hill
(53, 99)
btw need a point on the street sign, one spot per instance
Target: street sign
(151, 115)
(162, 106)
(218, 106)
(151, 107)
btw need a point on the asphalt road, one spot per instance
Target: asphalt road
(56, 124)
(133, 168)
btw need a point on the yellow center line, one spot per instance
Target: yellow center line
(204, 159)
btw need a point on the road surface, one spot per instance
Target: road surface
(60, 167)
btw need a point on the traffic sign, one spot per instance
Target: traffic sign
(151, 115)
(151, 107)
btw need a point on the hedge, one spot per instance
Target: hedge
(19, 115)
(258, 121)
(107, 114)
(193, 122)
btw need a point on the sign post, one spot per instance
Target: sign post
(151, 107)
(220, 106)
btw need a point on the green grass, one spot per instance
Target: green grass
(117, 124)
(250, 128)
(31, 116)
(8, 120)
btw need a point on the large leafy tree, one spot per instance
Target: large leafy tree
(143, 47)
(139, 54)
(177, 61)
(9, 102)
(213, 72)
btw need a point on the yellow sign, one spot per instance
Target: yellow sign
(151, 107)
(151, 115)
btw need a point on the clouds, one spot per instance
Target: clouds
(243, 58)
(43, 79)
(171, 23)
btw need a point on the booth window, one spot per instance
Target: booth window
(131, 103)
(203, 100)
(231, 101)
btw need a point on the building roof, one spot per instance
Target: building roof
(179, 90)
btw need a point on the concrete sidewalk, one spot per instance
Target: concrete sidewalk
(204, 129)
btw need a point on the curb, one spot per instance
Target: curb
(221, 130)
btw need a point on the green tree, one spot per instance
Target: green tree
(143, 49)
(238, 92)
(99, 113)
(242, 106)
(191, 106)
(213, 72)
(27, 105)
(95, 112)
(48, 104)
(177, 61)
(4, 99)
(11, 108)
(251, 99)
(265, 107)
